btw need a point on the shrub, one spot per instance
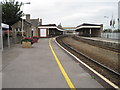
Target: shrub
(28, 39)
(34, 40)
(116, 31)
(35, 37)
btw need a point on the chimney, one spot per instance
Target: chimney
(28, 17)
(40, 22)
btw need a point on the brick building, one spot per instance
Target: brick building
(35, 23)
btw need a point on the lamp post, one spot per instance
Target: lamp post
(119, 15)
(107, 21)
(22, 19)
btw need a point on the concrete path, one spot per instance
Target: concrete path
(36, 68)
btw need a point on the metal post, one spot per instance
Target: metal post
(22, 28)
(22, 19)
(8, 39)
(1, 34)
(90, 32)
(15, 36)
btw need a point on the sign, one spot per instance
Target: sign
(4, 25)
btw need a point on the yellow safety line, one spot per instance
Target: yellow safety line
(102, 77)
(70, 84)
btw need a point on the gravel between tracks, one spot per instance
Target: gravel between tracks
(106, 57)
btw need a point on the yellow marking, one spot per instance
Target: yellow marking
(70, 84)
(105, 79)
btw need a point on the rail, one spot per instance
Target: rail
(87, 57)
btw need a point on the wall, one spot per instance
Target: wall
(39, 31)
(95, 33)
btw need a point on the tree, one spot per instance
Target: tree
(11, 12)
(116, 31)
(107, 31)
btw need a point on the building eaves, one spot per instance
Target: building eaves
(48, 25)
(87, 24)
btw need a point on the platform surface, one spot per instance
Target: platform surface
(36, 68)
(103, 39)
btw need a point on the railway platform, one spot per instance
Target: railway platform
(103, 39)
(104, 42)
(45, 65)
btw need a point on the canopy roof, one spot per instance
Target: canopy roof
(50, 26)
(86, 25)
(5, 26)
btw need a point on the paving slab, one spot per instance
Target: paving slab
(36, 68)
(79, 77)
(32, 68)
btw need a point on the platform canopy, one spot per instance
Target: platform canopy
(89, 30)
(86, 25)
(49, 26)
(5, 26)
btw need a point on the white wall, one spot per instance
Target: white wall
(43, 32)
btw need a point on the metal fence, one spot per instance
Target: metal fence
(111, 35)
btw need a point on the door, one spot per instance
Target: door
(43, 33)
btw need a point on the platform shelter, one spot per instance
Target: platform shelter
(89, 30)
(49, 30)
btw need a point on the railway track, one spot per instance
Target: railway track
(104, 47)
(107, 72)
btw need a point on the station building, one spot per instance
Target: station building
(89, 30)
(49, 30)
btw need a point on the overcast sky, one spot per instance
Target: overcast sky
(72, 12)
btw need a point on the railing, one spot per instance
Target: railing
(111, 35)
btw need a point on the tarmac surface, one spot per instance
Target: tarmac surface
(36, 68)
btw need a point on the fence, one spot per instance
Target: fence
(111, 35)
